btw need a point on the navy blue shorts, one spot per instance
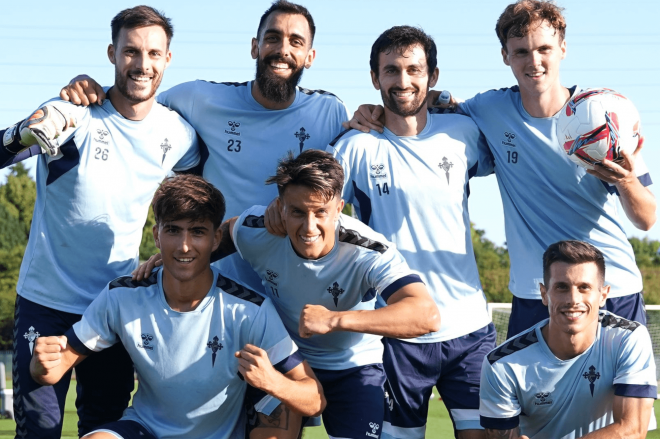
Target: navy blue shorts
(125, 430)
(354, 401)
(526, 313)
(104, 379)
(454, 366)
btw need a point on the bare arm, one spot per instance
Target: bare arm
(631, 419)
(638, 201)
(298, 389)
(52, 358)
(83, 90)
(226, 246)
(504, 434)
(410, 313)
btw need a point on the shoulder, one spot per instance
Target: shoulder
(454, 123)
(491, 97)
(201, 86)
(170, 119)
(238, 291)
(611, 322)
(351, 137)
(128, 282)
(356, 233)
(513, 345)
(319, 95)
(252, 218)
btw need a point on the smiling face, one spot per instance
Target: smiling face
(309, 220)
(535, 59)
(186, 247)
(403, 80)
(140, 57)
(573, 296)
(282, 50)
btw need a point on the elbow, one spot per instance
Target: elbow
(45, 380)
(319, 407)
(434, 321)
(645, 224)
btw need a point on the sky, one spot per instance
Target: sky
(612, 44)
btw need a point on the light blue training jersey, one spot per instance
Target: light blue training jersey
(190, 386)
(523, 383)
(414, 190)
(547, 198)
(93, 199)
(361, 265)
(244, 142)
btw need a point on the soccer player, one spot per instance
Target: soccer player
(546, 197)
(580, 373)
(410, 184)
(94, 185)
(246, 127)
(323, 278)
(196, 337)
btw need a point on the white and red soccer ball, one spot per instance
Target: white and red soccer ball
(597, 124)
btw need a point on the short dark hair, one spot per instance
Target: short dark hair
(141, 16)
(401, 38)
(519, 17)
(572, 252)
(188, 196)
(314, 169)
(287, 7)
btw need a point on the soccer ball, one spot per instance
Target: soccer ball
(597, 124)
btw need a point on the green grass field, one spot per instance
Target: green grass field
(439, 424)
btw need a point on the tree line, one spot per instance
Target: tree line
(18, 194)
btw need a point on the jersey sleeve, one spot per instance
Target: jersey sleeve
(97, 328)
(499, 408)
(180, 98)
(192, 156)
(389, 273)
(348, 193)
(249, 234)
(635, 366)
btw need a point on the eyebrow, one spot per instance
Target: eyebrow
(279, 32)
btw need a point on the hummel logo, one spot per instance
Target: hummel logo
(509, 139)
(165, 146)
(543, 398)
(378, 171)
(302, 136)
(592, 376)
(232, 128)
(271, 276)
(374, 428)
(335, 291)
(101, 136)
(146, 342)
(215, 346)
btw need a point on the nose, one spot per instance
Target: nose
(309, 225)
(141, 61)
(403, 80)
(185, 242)
(536, 58)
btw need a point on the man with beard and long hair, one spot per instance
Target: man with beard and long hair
(410, 183)
(97, 170)
(247, 127)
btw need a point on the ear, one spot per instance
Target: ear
(340, 207)
(111, 53)
(505, 57)
(434, 78)
(604, 291)
(563, 48)
(309, 59)
(374, 80)
(168, 59)
(217, 237)
(280, 207)
(154, 229)
(544, 294)
(254, 50)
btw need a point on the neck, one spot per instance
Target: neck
(546, 104)
(406, 125)
(267, 103)
(566, 345)
(183, 296)
(130, 110)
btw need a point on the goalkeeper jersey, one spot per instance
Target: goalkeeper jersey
(361, 265)
(244, 141)
(547, 198)
(414, 190)
(190, 386)
(523, 383)
(93, 199)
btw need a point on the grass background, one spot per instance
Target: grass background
(438, 424)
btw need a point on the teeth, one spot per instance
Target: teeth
(184, 259)
(403, 94)
(573, 314)
(140, 78)
(309, 238)
(279, 65)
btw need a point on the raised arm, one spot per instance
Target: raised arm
(631, 419)
(410, 312)
(52, 358)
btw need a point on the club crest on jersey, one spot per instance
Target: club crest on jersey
(302, 135)
(592, 376)
(336, 292)
(543, 398)
(446, 165)
(101, 137)
(271, 276)
(31, 336)
(233, 127)
(215, 345)
(147, 342)
(165, 146)
(509, 139)
(374, 428)
(377, 171)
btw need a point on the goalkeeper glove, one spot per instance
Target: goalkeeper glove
(43, 127)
